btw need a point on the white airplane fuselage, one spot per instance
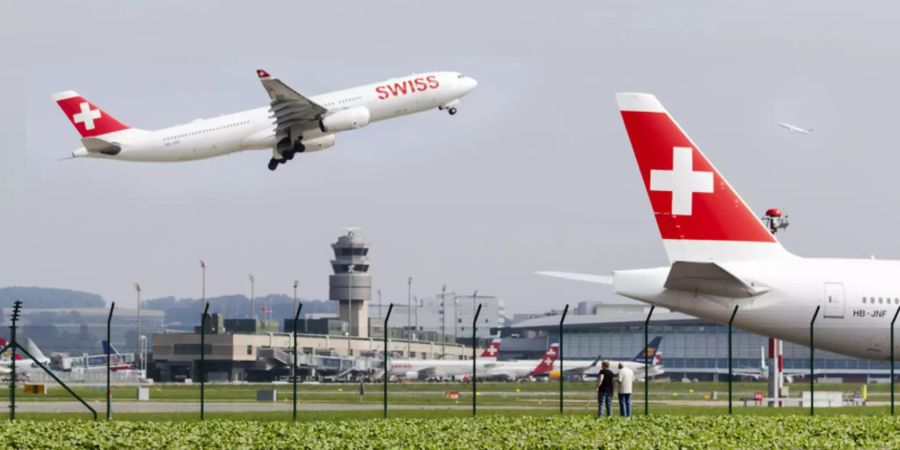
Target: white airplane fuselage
(796, 286)
(436, 368)
(254, 129)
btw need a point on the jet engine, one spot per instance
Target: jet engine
(345, 119)
(317, 143)
(411, 375)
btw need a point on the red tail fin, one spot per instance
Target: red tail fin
(492, 350)
(547, 361)
(87, 118)
(700, 216)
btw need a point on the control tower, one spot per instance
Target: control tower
(351, 284)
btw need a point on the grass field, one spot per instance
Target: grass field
(497, 431)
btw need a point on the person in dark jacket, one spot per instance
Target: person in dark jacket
(604, 389)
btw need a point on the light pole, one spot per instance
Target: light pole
(455, 318)
(252, 297)
(296, 283)
(408, 316)
(474, 297)
(137, 289)
(418, 304)
(443, 321)
(203, 284)
(379, 304)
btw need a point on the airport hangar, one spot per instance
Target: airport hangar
(691, 348)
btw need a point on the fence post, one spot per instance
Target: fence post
(730, 356)
(475, 361)
(112, 308)
(386, 357)
(203, 361)
(812, 364)
(893, 381)
(647, 361)
(17, 307)
(294, 368)
(562, 371)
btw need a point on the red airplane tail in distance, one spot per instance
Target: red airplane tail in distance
(492, 350)
(700, 216)
(546, 365)
(87, 118)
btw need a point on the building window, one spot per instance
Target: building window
(249, 349)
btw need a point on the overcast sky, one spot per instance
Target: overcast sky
(535, 172)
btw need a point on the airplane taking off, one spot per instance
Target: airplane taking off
(291, 124)
(794, 128)
(721, 255)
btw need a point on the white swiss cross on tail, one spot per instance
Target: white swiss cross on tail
(682, 181)
(87, 116)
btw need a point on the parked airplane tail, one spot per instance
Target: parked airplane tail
(108, 348)
(700, 217)
(87, 118)
(36, 352)
(492, 350)
(545, 366)
(650, 351)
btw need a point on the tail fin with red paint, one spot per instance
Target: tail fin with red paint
(545, 366)
(700, 217)
(492, 350)
(87, 118)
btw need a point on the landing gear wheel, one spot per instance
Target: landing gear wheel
(452, 111)
(288, 155)
(273, 164)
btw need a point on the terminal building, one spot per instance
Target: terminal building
(691, 348)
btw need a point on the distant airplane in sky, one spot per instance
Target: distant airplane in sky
(721, 255)
(794, 128)
(291, 124)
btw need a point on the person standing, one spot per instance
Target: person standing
(626, 380)
(604, 389)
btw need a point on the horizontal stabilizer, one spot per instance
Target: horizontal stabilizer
(586, 277)
(97, 145)
(709, 278)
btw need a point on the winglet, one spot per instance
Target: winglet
(262, 74)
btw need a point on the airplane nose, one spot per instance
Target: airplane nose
(469, 83)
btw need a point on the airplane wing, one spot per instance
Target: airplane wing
(289, 107)
(709, 278)
(586, 277)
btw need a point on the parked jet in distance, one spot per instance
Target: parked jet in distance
(428, 369)
(721, 255)
(636, 364)
(292, 123)
(794, 128)
(455, 369)
(23, 364)
(524, 368)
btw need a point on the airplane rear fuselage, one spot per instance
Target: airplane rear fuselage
(845, 324)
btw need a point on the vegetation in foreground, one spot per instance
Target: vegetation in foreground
(501, 432)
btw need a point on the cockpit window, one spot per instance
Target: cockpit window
(459, 76)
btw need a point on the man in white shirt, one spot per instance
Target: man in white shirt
(625, 380)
